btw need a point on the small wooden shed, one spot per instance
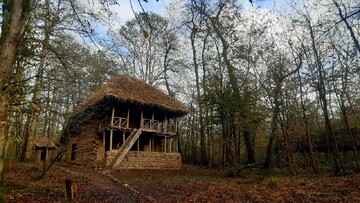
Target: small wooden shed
(43, 148)
(126, 124)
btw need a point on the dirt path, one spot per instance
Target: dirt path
(98, 184)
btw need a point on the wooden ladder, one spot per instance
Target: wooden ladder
(125, 148)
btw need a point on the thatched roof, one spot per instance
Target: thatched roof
(44, 142)
(128, 89)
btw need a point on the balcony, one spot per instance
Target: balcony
(149, 125)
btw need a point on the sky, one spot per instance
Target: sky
(125, 13)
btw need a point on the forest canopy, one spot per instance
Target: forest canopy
(265, 87)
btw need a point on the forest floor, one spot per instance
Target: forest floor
(190, 184)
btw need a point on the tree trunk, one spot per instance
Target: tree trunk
(310, 150)
(200, 105)
(249, 147)
(320, 86)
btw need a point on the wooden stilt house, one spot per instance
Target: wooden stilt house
(126, 124)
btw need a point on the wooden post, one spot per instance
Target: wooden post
(70, 189)
(124, 136)
(111, 139)
(128, 118)
(165, 124)
(165, 144)
(150, 142)
(138, 144)
(170, 143)
(176, 125)
(141, 119)
(104, 145)
(112, 115)
(46, 154)
(152, 120)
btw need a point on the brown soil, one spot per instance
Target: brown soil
(190, 184)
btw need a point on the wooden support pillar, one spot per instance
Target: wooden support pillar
(153, 142)
(152, 120)
(170, 143)
(111, 139)
(124, 133)
(150, 142)
(138, 144)
(141, 119)
(112, 115)
(128, 118)
(165, 144)
(165, 124)
(176, 125)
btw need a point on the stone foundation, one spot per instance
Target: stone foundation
(147, 160)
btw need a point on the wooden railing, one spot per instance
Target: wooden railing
(167, 126)
(151, 124)
(158, 126)
(120, 122)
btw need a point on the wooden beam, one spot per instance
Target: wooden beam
(153, 142)
(112, 115)
(124, 133)
(141, 118)
(176, 125)
(165, 124)
(138, 144)
(170, 143)
(128, 118)
(111, 139)
(165, 144)
(150, 142)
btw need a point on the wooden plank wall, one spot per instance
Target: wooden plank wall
(87, 144)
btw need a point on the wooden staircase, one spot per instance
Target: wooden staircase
(125, 148)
